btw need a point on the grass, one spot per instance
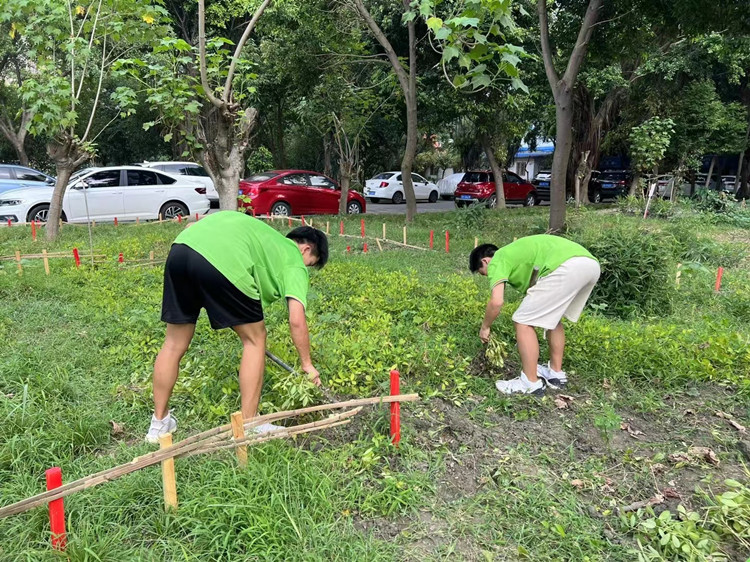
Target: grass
(478, 476)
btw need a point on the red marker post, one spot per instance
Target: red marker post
(120, 259)
(432, 238)
(33, 230)
(197, 218)
(447, 242)
(56, 510)
(341, 228)
(364, 248)
(179, 218)
(10, 223)
(348, 249)
(719, 275)
(290, 222)
(395, 408)
(77, 257)
(116, 223)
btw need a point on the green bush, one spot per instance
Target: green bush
(637, 269)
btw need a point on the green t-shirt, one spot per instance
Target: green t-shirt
(258, 260)
(515, 262)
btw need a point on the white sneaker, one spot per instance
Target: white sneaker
(554, 379)
(521, 385)
(266, 427)
(159, 428)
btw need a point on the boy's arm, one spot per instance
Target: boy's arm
(301, 337)
(494, 306)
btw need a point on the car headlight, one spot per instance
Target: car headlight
(10, 202)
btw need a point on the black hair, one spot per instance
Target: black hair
(478, 254)
(314, 237)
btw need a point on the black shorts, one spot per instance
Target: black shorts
(192, 283)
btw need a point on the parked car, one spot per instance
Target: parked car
(389, 187)
(14, 175)
(447, 186)
(479, 187)
(542, 183)
(194, 172)
(609, 184)
(125, 192)
(295, 192)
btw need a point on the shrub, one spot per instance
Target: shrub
(636, 266)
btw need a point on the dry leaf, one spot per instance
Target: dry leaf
(739, 427)
(634, 433)
(562, 401)
(117, 429)
(606, 384)
(577, 483)
(658, 468)
(671, 493)
(679, 457)
(704, 453)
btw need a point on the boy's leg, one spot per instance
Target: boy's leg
(167, 365)
(253, 362)
(556, 339)
(528, 347)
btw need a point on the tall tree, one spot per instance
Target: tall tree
(15, 116)
(562, 91)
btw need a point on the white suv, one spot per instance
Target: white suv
(194, 172)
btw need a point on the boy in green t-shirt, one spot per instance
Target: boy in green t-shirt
(566, 274)
(233, 265)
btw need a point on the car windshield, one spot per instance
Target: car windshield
(384, 176)
(477, 177)
(265, 176)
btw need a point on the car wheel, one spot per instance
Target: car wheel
(597, 197)
(397, 198)
(375, 199)
(38, 213)
(530, 200)
(353, 208)
(173, 209)
(492, 202)
(433, 197)
(282, 209)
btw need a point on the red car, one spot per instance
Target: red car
(295, 192)
(479, 187)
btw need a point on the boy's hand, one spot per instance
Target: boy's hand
(312, 373)
(484, 334)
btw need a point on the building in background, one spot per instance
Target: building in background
(527, 163)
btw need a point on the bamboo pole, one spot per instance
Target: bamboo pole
(18, 262)
(167, 475)
(404, 236)
(384, 236)
(151, 256)
(380, 247)
(238, 431)
(182, 448)
(476, 241)
(46, 262)
(328, 227)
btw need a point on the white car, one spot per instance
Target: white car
(193, 172)
(125, 192)
(388, 186)
(447, 186)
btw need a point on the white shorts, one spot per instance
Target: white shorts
(563, 292)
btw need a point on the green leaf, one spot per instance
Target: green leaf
(443, 33)
(434, 23)
(450, 53)
(408, 16)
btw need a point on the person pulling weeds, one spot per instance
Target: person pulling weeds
(565, 273)
(234, 266)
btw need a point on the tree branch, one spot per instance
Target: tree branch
(549, 64)
(98, 91)
(238, 50)
(403, 78)
(584, 34)
(202, 55)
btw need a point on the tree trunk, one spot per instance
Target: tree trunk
(634, 183)
(68, 155)
(710, 171)
(564, 138)
(346, 177)
(412, 133)
(744, 191)
(23, 158)
(497, 172)
(327, 155)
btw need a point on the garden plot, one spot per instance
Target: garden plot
(655, 412)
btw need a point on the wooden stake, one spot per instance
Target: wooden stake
(137, 220)
(93, 224)
(404, 235)
(53, 477)
(18, 262)
(328, 227)
(46, 262)
(383, 231)
(33, 231)
(60, 223)
(432, 238)
(476, 241)
(160, 217)
(311, 223)
(678, 275)
(151, 256)
(380, 247)
(238, 432)
(167, 475)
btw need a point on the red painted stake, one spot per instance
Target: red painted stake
(252, 210)
(303, 220)
(363, 227)
(447, 242)
(179, 219)
(341, 228)
(196, 217)
(116, 223)
(77, 257)
(120, 259)
(10, 223)
(432, 238)
(348, 249)
(33, 230)
(56, 510)
(290, 222)
(395, 408)
(719, 275)
(364, 248)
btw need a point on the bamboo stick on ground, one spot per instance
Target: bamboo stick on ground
(169, 482)
(46, 262)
